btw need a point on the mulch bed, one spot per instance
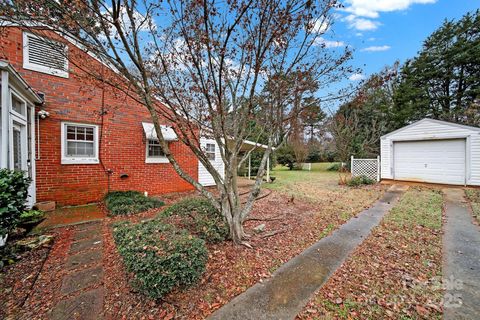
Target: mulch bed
(230, 269)
(17, 280)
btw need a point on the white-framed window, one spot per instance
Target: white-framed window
(210, 151)
(18, 105)
(45, 55)
(154, 153)
(79, 143)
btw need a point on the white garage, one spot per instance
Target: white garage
(432, 151)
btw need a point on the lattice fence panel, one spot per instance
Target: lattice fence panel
(366, 167)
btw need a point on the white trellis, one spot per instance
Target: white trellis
(366, 167)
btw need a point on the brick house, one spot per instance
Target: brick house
(75, 137)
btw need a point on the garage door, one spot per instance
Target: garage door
(436, 161)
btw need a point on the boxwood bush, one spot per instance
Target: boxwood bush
(199, 217)
(129, 202)
(13, 196)
(160, 256)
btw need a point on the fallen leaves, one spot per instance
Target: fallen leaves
(395, 272)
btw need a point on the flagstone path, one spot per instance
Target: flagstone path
(288, 290)
(81, 293)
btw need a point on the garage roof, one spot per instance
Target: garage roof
(431, 120)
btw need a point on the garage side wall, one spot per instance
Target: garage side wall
(433, 130)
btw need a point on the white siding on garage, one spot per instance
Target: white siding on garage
(434, 130)
(204, 177)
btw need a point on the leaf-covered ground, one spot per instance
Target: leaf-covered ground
(233, 269)
(474, 197)
(395, 273)
(16, 281)
(299, 222)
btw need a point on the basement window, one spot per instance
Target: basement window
(79, 143)
(45, 55)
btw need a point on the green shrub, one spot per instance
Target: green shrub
(31, 215)
(13, 196)
(335, 167)
(198, 216)
(360, 180)
(129, 202)
(160, 256)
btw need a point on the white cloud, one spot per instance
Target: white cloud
(356, 77)
(329, 43)
(376, 48)
(372, 8)
(363, 11)
(361, 24)
(321, 26)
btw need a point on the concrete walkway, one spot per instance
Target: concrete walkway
(461, 247)
(289, 289)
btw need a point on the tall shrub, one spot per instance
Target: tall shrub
(13, 197)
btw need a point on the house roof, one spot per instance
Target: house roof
(19, 81)
(452, 124)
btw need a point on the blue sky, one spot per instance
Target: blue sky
(382, 31)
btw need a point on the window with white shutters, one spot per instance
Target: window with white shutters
(45, 55)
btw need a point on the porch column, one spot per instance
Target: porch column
(249, 164)
(268, 169)
(5, 123)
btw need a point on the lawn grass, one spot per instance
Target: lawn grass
(474, 197)
(395, 273)
(302, 182)
(318, 185)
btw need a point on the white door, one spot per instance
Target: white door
(435, 161)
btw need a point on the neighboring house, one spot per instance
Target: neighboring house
(432, 151)
(93, 140)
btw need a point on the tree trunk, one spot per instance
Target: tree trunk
(236, 229)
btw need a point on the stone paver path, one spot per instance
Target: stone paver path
(291, 286)
(81, 293)
(461, 270)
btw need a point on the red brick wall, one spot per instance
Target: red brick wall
(122, 147)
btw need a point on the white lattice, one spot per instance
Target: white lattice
(366, 167)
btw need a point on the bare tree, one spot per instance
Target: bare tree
(200, 65)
